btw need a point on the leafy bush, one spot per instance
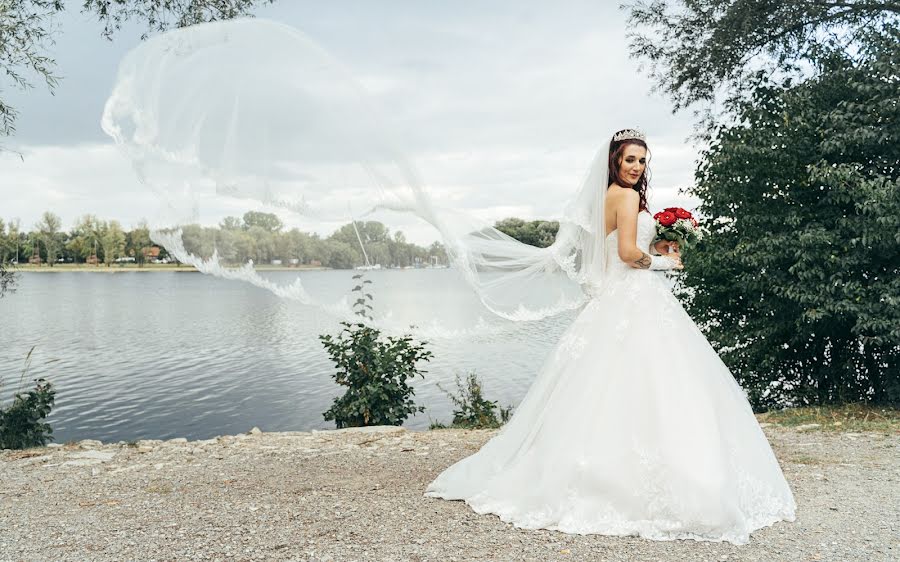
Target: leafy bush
(7, 279)
(21, 423)
(473, 410)
(374, 369)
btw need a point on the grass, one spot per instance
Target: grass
(849, 417)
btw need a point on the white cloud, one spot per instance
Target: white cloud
(502, 107)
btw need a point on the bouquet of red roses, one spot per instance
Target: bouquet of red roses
(677, 225)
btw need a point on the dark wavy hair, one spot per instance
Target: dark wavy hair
(616, 148)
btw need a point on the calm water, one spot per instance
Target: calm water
(165, 354)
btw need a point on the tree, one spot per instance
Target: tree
(84, 238)
(798, 283)
(13, 240)
(230, 223)
(264, 242)
(138, 243)
(536, 233)
(112, 240)
(266, 221)
(696, 48)
(439, 251)
(49, 228)
(339, 255)
(371, 232)
(198, 240)
(27, 28)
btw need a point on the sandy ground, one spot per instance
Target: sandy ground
(357, 495)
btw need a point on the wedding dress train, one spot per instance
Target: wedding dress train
(633, 426)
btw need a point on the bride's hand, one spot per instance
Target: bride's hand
(676, 257)
(662, 246)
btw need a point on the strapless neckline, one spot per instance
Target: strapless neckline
(617, 229)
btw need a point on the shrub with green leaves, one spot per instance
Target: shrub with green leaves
(21, 423)
(7, 279)
(797, 284)
(473, 410)
(375, 369)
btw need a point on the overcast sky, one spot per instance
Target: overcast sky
(505, 104)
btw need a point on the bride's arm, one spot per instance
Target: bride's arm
(626, 221)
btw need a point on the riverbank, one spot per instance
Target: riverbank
(357, 495)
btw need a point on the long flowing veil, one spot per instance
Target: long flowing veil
(246, 113)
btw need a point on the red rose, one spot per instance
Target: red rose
(666, 218)
(671, 209)
(682, 214)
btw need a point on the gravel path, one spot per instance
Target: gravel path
(357, 495)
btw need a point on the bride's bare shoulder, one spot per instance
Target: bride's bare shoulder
(617, 194)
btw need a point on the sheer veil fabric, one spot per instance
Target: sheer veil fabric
(250, 112)
(609, 439)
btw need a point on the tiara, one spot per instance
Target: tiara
(629, 134)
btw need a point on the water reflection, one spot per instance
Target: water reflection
(166, 354)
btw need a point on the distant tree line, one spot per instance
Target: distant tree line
(535, 233)
(256, 236)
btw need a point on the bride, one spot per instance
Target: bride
(614, 437)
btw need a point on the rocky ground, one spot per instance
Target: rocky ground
(357, 495)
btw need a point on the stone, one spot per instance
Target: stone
(90, 444)
(88, 458)
(101, 456)
(81, 462)
(177, 440)
(255, 431)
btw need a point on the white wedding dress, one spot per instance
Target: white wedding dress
(633, 426)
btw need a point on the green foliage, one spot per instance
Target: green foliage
(696, 48)
(138, 243)
(682, 232)
(112, 240)
(235, 241)
(473, 411)
(21, 423)
(266, 221)
(535, 233)
(798, 282)
(49, 227)
(84, 239)
(7, 279)
(375, 370)
(9, 241)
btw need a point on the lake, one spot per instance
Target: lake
(156, 355)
